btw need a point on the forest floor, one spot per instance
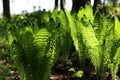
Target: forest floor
(60, 70)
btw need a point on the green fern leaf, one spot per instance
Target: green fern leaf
(117, 27)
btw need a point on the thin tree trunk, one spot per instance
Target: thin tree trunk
(6, 9)
(62, 3)
(77, 4)
(56, 3)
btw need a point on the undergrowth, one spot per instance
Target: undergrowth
(38, 40)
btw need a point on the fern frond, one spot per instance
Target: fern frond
(117, 27)
(103, 26)
(104, 29)
(114, 58)
(41, 38)
(83, 36)
(54, 14)
(88, 34)
(73, 29)
(46, 44)
(87, 11)
(20, 53)
(65, 42)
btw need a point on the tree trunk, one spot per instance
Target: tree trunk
(56, 3)
(6, 9)
(77, 4)
(62, 3)
(96, 2)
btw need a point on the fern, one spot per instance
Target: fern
(65, 41)
(77, 38)
(85, 24)
(73, 29)
(54, 14)
(94, 34)
(87, 38)
(114, 58)
(104, 28)
(115, 51)
(41, 42)
(36, 45)
(20, 52)
(117, 27)
(34, 53)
